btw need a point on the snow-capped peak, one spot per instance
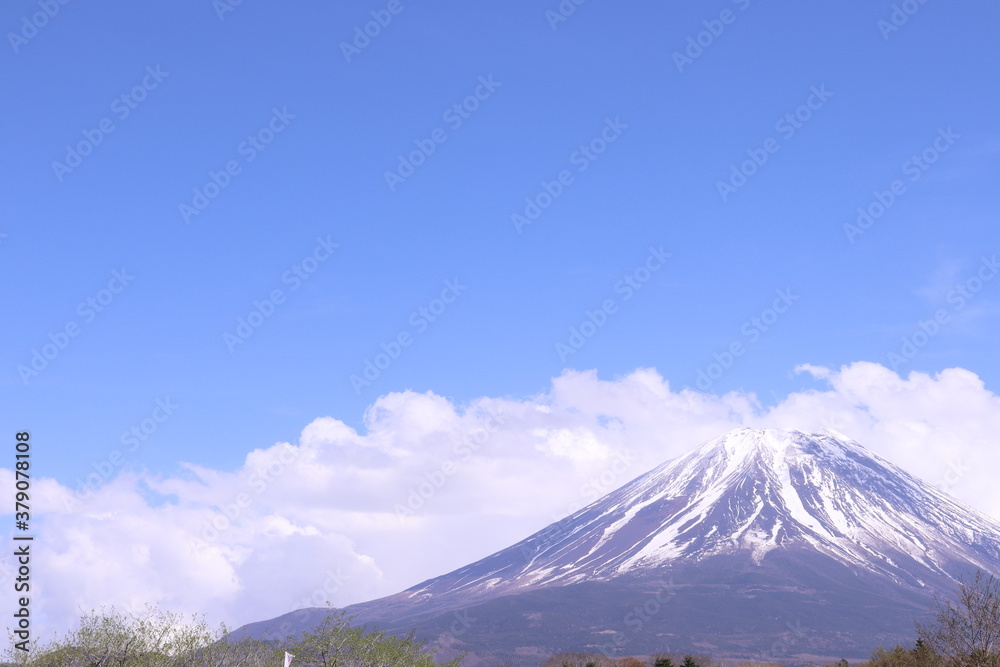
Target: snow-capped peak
(752, 492)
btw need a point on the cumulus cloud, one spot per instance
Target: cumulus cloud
(428, 485)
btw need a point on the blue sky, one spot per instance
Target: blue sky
(837, 102)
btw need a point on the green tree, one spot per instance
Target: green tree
(578, 659)
(896, 657)
(965, 631)
(157, 639)
(240, 653)
(689, 662)
(919, 656)
(663, 661)
(336, 643)
(331, 644)
(147, 638)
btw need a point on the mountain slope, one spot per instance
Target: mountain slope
(749, 530)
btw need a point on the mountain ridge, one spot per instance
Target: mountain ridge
(755, 524)
(785, 487)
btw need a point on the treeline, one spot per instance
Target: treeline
(963, 632)
(600, 660)
(154, 638)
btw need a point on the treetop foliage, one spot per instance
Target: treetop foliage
(152, 638)
(964, 632)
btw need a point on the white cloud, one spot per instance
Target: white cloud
(320, 520)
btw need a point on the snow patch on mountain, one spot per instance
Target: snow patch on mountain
(753, 492)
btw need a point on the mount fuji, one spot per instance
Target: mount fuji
(761, 544)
